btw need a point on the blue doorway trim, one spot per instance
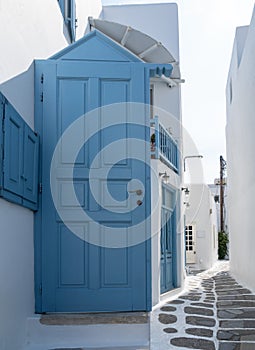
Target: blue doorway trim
(168, 238)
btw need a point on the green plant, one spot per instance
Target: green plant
(222, 248)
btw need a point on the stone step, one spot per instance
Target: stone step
(236, 334)
(244, 313)
(88, 331)
(93, 319)
(40, 347)
(236, 346)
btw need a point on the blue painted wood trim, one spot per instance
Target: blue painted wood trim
(1, 142)
(62, 6)
(38, 87)
(156, 137)
(148, 189)
(157, 70)
(95, 33)
(15, 193)
(72, 22)
(177, 253)
(176, 212)
(174, 242)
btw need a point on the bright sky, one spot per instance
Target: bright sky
(207, 30)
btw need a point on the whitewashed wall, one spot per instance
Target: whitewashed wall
(32, 29)
(240, 129)
(160, 21)
(29, 29)
(174, 183)
(202, 214)
(215, 190)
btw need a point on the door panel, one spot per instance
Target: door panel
(72, 93)
(68, 261)
(78, 276)
(31, 154)
(14, 140)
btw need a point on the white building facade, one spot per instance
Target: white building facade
(201, 228)
(34, 31)
(240, 154)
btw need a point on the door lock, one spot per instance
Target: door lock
(137, 192)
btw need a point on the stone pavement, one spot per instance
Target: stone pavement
(213, 313)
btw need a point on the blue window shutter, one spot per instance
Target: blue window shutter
(72, 19)
(31, 155)
(68, 9)
(13, 151)
(19, 158)
(62, 6)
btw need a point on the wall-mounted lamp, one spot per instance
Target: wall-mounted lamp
(217, 198)
(184, 159)
(186, 190)
(164, 175)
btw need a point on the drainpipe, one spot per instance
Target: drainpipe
(222, 184)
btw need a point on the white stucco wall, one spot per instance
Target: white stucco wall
(16, 274)
(85, 9)
(174, 183)
(240, 100)
(32, 29)
(215, 190)
(202, 214)
(29, 29)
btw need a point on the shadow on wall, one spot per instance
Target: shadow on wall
(20, 92)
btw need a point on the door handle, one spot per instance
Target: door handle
(23, 177)
(138, 192)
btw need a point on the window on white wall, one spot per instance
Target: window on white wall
(190, 243)
(68, 9)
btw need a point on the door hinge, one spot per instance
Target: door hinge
(3, 123)
(40, 187)
(42, 78)
(40, 289)
(41, 97)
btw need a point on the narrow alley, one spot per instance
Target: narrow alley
(214, 313)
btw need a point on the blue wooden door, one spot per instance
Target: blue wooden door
(167, 241)
(73, 274)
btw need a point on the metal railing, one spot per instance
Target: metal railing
(163, 146)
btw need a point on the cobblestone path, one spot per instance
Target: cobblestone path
(214, 313)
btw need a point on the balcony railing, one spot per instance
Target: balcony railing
(163, 146)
